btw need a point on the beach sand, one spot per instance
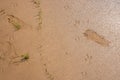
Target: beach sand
(59, 40)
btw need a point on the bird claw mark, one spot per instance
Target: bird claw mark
(39, 17)
(67, 7)
(88, 58)
(83, 75)
(92, 35)
(77, 38)
(49, 76)
(36, 3)
(2, 12)
(77, 23)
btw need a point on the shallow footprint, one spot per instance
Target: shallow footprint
(92, 35)
(17, 23)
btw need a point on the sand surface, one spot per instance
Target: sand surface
(64, 39)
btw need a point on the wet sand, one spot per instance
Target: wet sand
(64, 39)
